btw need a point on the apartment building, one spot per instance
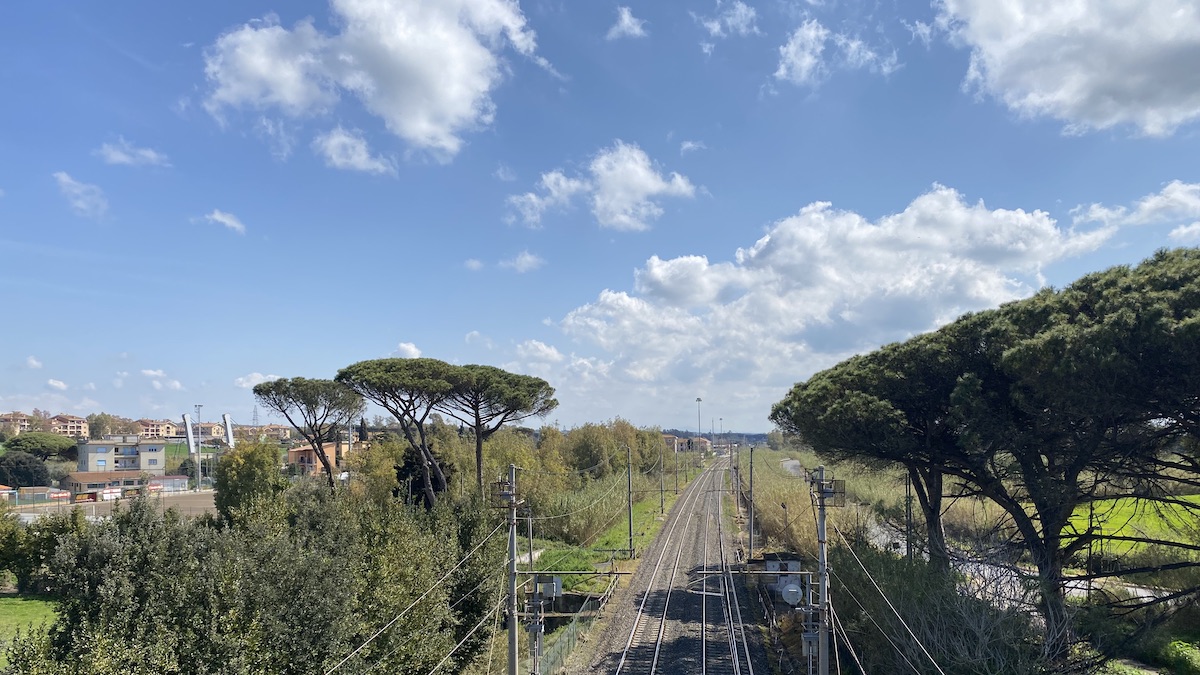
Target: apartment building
(69, 425)
(19, 421)
(158, 428)
(124, 453)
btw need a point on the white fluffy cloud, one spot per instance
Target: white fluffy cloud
(154, 373)
(1187, 234)
(536, 350)
(229, 220)
(407, 350)
(623, 185)
(32, 363)
(56, 384)
(426, 69)
(124, 152)
(248, 381)
(737, 18)
(805, 60)
(626, 26)
(1177, 201)
(691, 146)
(344, 149)
(86, 200)
(818, 286)
(523, 262)
(1093, 64)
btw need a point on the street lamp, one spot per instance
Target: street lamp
(699, 429)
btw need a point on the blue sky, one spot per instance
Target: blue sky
(643, 202)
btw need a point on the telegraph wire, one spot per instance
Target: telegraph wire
(876, 623)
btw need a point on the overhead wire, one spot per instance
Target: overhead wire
(861, 606)
(414, 602)
(876, 623)
(602, 497)
(466, 637)
(838, 626)
(886, 600)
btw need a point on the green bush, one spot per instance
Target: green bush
(1183, 658)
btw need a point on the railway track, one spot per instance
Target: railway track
(685, 614)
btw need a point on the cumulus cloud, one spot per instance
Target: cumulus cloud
(1187, 234)
(427, 70)
(56, 384)
(86, 200)
(804, 59)
(523, 262)
(1177, 201)
(32, 363)
(348, 150)
(555, 189)
(623, 186)
(407, 350)
(229, 220)
(248, 381)
(736, 19)
(124, 152)
(817, 286)
(154, 373)
(1091, 64)
(536, 350)
(626, 26)
(473, 264)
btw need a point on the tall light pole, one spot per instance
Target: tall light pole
(199, 454)
(721, 420)
(699, 429)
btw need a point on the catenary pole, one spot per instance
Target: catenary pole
(823, 577)
(512, 569)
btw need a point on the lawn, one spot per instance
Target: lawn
(19, 613)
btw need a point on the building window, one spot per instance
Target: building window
(101, 462)
(101, 449)
(153, 462)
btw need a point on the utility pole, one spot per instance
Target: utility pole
(629, 490)
(512, 569)
(750, 555)
(662, 497)
(676, 453)
(822, 574)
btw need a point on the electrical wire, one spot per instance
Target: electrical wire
(886, 600)
(837, 626)
(414, 602)
(616, 484)
(876, 623)
(468, 635)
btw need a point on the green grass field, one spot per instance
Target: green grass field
(1135, 518)
(20, 613)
